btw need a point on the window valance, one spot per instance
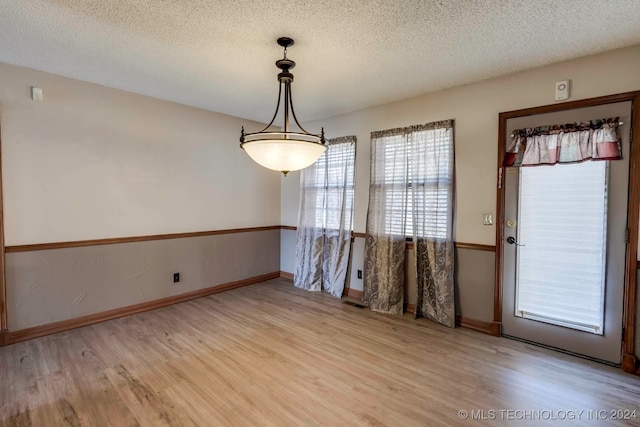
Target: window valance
(569, 143)
(442, 124)
(351, 139)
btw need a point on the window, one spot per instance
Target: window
(396, 186)
(327, 183)
(563, 225)
(420, 162)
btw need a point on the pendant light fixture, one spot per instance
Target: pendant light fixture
(284, 151)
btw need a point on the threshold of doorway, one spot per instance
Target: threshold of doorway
(560, 350)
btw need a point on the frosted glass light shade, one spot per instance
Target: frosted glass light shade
(284, 155)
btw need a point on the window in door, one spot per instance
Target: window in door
(563, 227)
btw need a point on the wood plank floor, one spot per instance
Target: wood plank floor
(270, 354)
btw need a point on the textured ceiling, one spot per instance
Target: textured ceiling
(219, 54)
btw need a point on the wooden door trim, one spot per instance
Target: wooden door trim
(3, 282)
(629, 361)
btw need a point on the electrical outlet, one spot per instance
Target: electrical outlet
(176, 277)
(359, 274)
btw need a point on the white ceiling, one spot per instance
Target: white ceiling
(351, 54)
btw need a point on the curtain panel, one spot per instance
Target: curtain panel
(323, 240)
(432, 168)
(411, 194)
(569, 143)
(385, 245)
(310, 234)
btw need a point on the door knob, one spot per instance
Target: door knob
(512, 241)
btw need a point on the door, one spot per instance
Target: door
(565, 243)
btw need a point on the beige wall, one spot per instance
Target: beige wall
(475, 108)
(290, 198)
(92, 162)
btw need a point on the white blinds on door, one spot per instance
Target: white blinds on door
(561, 268)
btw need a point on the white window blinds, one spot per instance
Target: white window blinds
(395, 185)
(424, 160)
(326, 184)
(563, 223)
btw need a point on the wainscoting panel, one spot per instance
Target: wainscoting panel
(475, 277)
(474, 283)
(53, 285)
(288, 250)
(475, 266)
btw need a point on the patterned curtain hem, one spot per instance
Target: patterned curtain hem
(434, 265)
(384, 273)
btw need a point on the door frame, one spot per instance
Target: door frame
(3, 287)
(629, 360)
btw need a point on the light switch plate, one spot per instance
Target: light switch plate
(36, 94)
(487, 218)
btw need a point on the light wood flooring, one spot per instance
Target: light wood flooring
(270, 354)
